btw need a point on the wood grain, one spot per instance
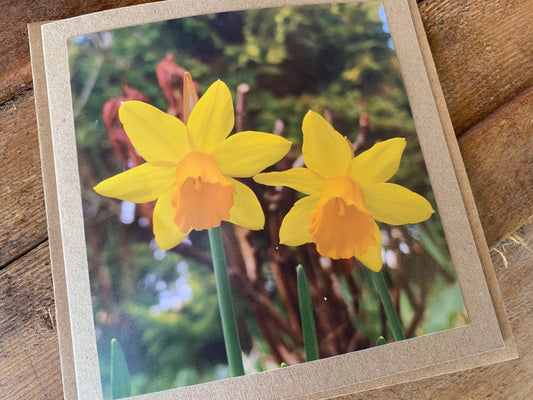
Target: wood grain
(498, 157)
(483, 53)
(31, 368)
(22, 217)
(15, 70)
(482, 50)
(30, 359)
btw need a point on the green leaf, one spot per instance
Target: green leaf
(120, 375)
(434, 250)
(392, 316)
(306, 314)
(381, 341)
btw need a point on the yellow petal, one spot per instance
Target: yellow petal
(377, 164)
(294, 229)
(211, 119)
(372, 258)
(138, 185)
(157, 136)
(167, 235)
(396, 205)
(246, 210)
(324, 149)
(248, 153)
(301, 179)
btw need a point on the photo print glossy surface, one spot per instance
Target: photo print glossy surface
(326, 79)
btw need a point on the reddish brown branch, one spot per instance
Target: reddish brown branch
(170, 76)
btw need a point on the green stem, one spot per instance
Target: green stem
(225, 303)
(394, 321)
(306, 314)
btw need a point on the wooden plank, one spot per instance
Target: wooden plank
(498, 157)
(509, 380)
(483, 53)
(30, 366)
(22, 216)
(472, 57)
(15, 71)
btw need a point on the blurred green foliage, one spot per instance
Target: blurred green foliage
(329, 57)
(169, 325)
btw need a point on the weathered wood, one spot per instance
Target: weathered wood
(22, 216)
(15, 70)
(30, 367)
(483, 53)
(28, 342)
(508, 380)
(498, 157)
(481, 49)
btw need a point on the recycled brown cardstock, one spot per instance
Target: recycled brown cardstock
(486, 339)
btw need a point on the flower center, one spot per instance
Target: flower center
(341, 226)
(203, 197)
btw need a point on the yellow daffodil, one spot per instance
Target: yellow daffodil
(190, 169)
(346, 195)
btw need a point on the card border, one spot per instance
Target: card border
(486, 339)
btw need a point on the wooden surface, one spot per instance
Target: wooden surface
(483, 53)
(15, 70)
(484, 57)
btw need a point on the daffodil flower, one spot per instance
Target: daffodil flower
(190, 169)
(346, 195)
